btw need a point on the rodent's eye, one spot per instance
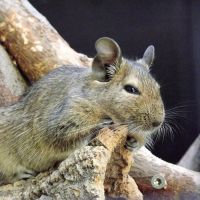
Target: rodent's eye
(131, 89)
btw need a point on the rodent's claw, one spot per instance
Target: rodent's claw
(132, 144)
(26, 174)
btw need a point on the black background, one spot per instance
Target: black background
(173, 27)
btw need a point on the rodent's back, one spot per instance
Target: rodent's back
(53, 89)
(55, 86)
(28, 127)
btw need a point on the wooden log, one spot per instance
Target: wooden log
(117, 181)
(81, 176)
(33, 42)
(181, 183)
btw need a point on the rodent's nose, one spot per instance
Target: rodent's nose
(156, 123)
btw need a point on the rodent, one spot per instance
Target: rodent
(59, 113)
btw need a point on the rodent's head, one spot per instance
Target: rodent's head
(128, 92)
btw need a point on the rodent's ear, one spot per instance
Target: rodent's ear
(148, 56)
(107, 60)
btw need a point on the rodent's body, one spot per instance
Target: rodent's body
(45, 123)
(59, 113)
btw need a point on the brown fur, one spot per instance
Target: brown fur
(61, 112)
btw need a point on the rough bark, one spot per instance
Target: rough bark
(82, 175)
(37, 49)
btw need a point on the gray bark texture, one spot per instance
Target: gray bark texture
(102, 169)
(81, 176)
(191, 159)
(12, 85)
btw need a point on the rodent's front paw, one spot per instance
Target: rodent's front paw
(132, 144)
(26, 174)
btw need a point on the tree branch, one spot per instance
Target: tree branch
(33, 42)
(12, 85)
(181, 182)
(191, 159)
(82, 174)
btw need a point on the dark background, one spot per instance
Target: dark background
(173, 27)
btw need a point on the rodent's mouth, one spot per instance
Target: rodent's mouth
(139, 137)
